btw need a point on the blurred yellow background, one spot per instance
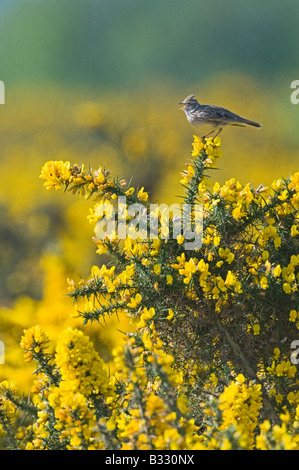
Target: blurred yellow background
(117, 107)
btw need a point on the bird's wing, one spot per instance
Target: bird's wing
(215, 113)
(220, 115)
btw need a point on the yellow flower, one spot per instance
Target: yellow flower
(238, 212)
(276, 353)
(134, 301)
(230, 279)
(197, 146)
(147, 340)
(102, 247)
(191, 171)
(276, 185)
(170, 314)
(277, 242)
(180, 239)
(157, 269)
(142, 195)
(240, 379)
(55, 174)
(279, 398)
(284, 195)
(182, 404)
(277, 271)
(293, 316)
(294, 260)
(264, 282)
(265, 426)
(294, 230)
(226, 444)
(213, 379)
(148, 313)
(265, 255)
(216, 241)
(287, 288)
(216, 188)
(130, 191)
(256, 329)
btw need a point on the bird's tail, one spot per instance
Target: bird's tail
(247, 122)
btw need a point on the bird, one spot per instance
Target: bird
(212, 117)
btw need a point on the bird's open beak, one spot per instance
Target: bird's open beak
(183, 107)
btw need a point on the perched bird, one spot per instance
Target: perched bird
(212, 118)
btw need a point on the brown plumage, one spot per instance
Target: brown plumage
(212, 117)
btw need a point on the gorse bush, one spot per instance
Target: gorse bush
(87, 127)
(210, 361)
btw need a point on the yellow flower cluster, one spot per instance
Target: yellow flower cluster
(283, 368)
(225, 274)
(81, 368)
(210, 146)
(278, 437)
(66, 398)
(241, 404)
(198, 315)
(59, 174)
(210, 150)
(34, 342)
(75, 420)
(211, 285)
(8, 411)
(56, 173)
(153, 412)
